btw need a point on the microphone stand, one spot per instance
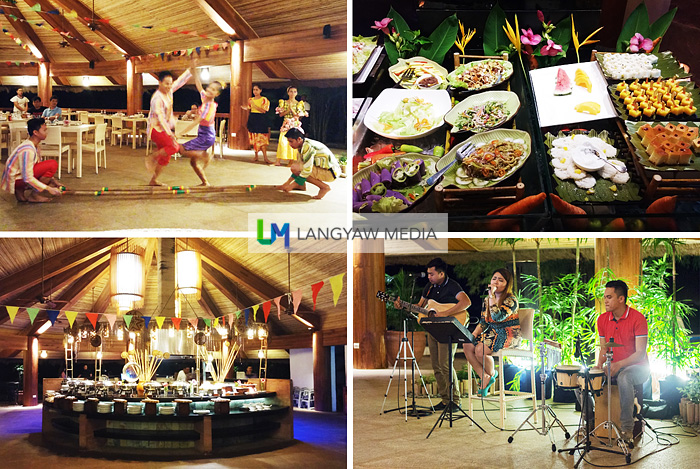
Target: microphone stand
(414, 408)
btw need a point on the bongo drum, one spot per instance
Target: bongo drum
(567, 376)
(596, 380)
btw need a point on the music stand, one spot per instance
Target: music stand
(448, 330)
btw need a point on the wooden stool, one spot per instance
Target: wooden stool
(601, 410)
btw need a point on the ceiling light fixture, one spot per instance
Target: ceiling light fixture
(44, 327)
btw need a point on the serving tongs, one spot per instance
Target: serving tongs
(462, 153)
(593, 151)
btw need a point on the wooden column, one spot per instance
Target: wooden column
(45, 89)
(134, 88)
(31, 372)
(241, 84)
(322, 374)
(369, 314)
(623, 256)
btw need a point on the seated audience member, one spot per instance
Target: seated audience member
(53, 112)
(37, 107)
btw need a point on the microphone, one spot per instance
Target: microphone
(419, 274)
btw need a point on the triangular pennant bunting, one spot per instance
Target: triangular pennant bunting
(159, 321)
(32, 312)
(207, 322)
(12, 311)
(146, 321)
(71, 315)
(92, 317)
(216, 322)
(53, 315)
(296, 299)
(238, 314)
(111, 319)
(277, 303)
(127, 320)
(194, 322)
(266, 309)
(176, 322)
(246, 312)
(255, 312)
(36, 7)
(337, 286)
(315, 288)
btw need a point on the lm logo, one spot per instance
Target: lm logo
(275, 231)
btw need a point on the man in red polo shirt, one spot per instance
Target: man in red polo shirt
(627, 326)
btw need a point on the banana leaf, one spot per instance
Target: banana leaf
(562, 34)
(637, 22)
(660, 26)
(667, 64)
(570, 192)
(495, 38)
(624, 114)
(441, 40)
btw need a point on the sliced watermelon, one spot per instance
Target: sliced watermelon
(563, 85)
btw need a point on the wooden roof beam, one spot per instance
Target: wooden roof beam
(235, 270)
(241, 300)
(27, 34)
(108, 68)
(117, 80)
(54, 265)
(104, 30)
(18, 71)
(59, 22)
(209, 305)
(306, 43)
(232, 23)
(60, 81)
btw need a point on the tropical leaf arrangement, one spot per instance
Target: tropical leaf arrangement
(638, 24)
(403, 42)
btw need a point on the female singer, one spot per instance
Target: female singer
(498, 328)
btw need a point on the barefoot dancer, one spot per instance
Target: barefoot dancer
(161, 123)
(24, 174)
(258, 131)
(197, 149)
(317, 164)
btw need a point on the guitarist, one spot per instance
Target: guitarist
(442, 289)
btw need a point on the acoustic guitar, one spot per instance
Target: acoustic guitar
(431, 309)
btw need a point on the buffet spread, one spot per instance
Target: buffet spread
(608, 144)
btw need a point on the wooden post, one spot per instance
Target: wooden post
(623, 256)
(31, 372)
(241, 84)
(369, 314)
(134, 88)
(45, 89)
(322, 374)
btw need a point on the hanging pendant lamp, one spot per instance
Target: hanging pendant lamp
(127, 276)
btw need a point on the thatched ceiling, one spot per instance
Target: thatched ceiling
(76, 277)
(141, 28)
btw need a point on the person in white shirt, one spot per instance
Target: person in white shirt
(21, 102)
(182, 374)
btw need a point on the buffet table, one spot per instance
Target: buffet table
(254, 422)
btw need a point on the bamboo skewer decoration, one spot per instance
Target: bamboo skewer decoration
(165, 190)
(148, 364)
(224, 363)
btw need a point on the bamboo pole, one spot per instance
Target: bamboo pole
(165, 190)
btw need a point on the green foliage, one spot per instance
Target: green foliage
(668, 337)
(441, 40)
(638, 22)
(399, 285)
(406, 43)
(692, 388)
(476, 275)
(495, 38)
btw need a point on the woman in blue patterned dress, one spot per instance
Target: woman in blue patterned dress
(498, 328)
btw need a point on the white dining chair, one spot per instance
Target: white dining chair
(53, 147)
(98, 146)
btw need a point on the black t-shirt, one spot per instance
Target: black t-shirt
(37, 112)
(444, 293)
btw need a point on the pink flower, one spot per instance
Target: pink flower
(382, 25)
(638, 41)
(529, 38)
(540, 16)
(550, 48)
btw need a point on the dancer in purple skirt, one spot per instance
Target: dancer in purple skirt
(197, 149)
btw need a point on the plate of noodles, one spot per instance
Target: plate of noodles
(498, 155)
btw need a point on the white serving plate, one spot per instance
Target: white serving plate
(559, 110)
(389, 99)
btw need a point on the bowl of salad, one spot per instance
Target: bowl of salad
(427, 75)
(406, 114)
(483, 111)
